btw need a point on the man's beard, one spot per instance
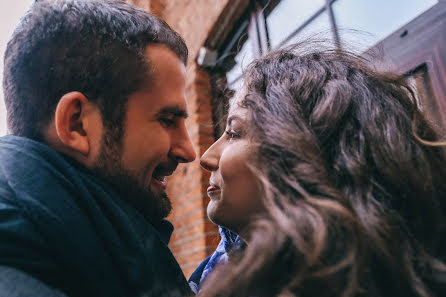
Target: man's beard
(131, 188)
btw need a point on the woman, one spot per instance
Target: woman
(333, 178)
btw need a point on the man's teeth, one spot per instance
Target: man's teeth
(161, 177)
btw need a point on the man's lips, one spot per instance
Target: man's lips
(160, 183)
(160, 173)
(160, 180)
(163, 170)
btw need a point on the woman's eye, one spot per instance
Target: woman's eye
(232, 134)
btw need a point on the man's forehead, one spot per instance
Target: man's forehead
(152, 102)
(158, 55)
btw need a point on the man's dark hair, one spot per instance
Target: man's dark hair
(95, 47)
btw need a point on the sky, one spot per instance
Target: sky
(10, 13)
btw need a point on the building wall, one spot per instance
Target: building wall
(200, 23)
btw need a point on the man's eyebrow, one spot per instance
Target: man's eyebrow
(177, 111)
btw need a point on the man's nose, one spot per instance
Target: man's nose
(182, 149)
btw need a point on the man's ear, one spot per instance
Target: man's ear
(72, 121)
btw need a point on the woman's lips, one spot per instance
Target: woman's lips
(213, 188)
(213, 192)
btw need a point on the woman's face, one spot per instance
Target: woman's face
(234, 190)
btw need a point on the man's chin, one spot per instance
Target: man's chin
(153, 205)
(164, 205)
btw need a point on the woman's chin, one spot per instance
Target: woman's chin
(212, 211)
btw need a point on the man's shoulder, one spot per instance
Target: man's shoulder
(32, 169)
(20, 157)
(14, 282)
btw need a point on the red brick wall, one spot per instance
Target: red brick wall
(194, 20)
(155, 7)
(200, 23)
(195, 237)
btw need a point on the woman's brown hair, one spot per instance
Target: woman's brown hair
(355, 200)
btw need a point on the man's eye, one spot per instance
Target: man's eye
(167, 122)
(232, 134)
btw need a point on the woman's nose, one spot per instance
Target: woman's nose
(211, 157)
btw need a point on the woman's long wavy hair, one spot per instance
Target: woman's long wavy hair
(354, 186)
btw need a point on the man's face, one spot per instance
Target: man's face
(155, 138)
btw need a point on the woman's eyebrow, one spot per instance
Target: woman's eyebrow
(232, 118)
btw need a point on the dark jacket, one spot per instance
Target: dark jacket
(65, 227)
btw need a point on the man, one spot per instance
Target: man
(95, 95)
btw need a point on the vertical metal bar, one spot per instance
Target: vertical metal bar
(262, 27)
(334, 28)
(253, 35)
(257, 26)
(268, 42)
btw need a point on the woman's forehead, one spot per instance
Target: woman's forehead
(239, 95)
(235, 103)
